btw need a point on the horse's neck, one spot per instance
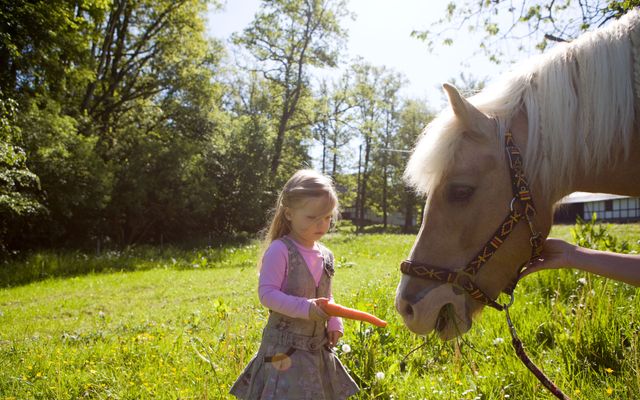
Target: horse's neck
(622, 178)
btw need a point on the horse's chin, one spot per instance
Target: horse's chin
(440, 311)
(451, 325)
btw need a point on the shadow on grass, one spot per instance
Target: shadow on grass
(46, 264)
(348, 227)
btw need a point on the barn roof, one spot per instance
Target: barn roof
(585, 197)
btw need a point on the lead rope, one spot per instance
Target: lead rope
(522, 355)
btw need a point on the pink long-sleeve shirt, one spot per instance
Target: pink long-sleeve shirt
(273, 278)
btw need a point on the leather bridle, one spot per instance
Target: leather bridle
(521, 208)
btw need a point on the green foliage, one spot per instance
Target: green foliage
(594, 235)
(19, 186)
(505, 24)
(286, 38)
(74, 179)
(20, 197)
(118, 102)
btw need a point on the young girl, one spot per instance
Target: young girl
(295, 360)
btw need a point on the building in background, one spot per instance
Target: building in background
(608, 208)
(370, 217)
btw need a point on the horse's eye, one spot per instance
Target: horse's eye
(459, 193)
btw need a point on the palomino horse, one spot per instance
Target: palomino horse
(568, 121)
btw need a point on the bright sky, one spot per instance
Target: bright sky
(381, 35)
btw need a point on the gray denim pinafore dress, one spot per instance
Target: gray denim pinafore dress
(294, 361)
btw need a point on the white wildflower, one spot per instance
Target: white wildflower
(498, 341)
(582, 281)
(346, 348)
(379, 376)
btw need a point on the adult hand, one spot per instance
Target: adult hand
(556, 254)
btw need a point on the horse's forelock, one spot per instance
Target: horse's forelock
(433, 153)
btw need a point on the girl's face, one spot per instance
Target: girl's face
(310, 221)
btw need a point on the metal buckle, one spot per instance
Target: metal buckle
(534, 240)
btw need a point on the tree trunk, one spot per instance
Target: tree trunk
(277, 148)
(410, 199)
(359, 193)
(324, 149)
(384, 196)
(365, 174)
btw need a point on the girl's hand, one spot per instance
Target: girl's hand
(333, 336)
(315, 312)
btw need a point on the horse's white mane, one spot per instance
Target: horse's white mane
(579, 100)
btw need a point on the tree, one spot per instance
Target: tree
(75, 181)
(118, 102)
(41, 44)
(20, 195)
(332, 128)
(369, 117)
(414, 117)
(139, 50)
(386, 143)
(243, 196)
(156, 109)
(502, 22)
(286, 38)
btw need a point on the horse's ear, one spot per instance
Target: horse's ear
(473, 119)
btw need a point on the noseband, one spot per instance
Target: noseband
(521, 207)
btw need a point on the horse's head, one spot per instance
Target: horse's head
(461, 165)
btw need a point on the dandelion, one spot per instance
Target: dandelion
(346, 348)
(608, 370)
(379, 376)
(577, 392)
(609, 391)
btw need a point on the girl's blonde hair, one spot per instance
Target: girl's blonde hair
(302, 186)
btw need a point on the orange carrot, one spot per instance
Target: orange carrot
(336, 310)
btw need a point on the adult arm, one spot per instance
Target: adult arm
(558, 254)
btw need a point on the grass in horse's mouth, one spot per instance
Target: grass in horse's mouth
(443, 317)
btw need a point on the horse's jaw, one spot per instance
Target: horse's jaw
(440, 310)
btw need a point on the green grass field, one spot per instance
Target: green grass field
(175, 324)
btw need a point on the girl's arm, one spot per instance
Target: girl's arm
(558, 253)
(272, 276)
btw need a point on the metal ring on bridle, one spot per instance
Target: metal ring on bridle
(513, 202)
(510, 303)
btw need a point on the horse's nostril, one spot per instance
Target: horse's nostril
(408, 310)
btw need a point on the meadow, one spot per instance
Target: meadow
(153, 323)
